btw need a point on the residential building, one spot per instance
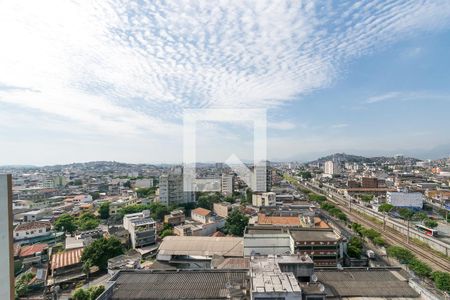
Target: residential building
(407, 200)
(142, 229)
(331, 168)
(369, 182)
(32, 230)
(261, 178)
(176, 217)
(171, 190)
(201, 215)
(66, 266)
(144, 183)
(227, 184)
(6, 238)
(222, 209)
(264, 199)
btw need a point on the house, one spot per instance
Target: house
(201, 215)
(32, 230)
(66, 267)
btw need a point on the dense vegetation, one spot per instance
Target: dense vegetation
(91, 293)
(235, 223)
(98, 253)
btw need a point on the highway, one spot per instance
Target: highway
(390, 235)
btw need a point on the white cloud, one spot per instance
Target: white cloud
(406, 96)
(340, 125)
(116, 68)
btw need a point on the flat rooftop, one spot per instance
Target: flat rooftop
(363, 283)
(202, 246)
(312, 235)
(180, 284)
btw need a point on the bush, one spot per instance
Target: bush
(402, 254)
(442, 280)
(420, 268)
(379, 241)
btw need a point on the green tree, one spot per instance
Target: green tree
(408, 215)
(401, 254)
(166, 231)
(354, 247)
(80, 294)
(236, 222)
(146, 192)
(95, 195)
(367, 197)
(430, 223)
(66, 222)
(442, 280)
(87, 221)
(101, 250)
(104, 210)
(95, 291)
(305, 175)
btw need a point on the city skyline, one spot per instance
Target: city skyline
(87, 82)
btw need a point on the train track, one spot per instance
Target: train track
(394, 237)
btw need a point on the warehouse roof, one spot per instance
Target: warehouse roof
(66, 258)
(363, 283)
(202, 246)
(180, 284)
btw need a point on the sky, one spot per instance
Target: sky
(112, 80)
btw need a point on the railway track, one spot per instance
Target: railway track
(436, 262)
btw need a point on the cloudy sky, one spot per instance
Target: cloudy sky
(109, 80)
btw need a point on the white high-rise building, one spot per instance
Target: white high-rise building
(6, 238)
(331, 168)
(227, 184)
(261, 177)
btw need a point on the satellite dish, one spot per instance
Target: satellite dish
(339, 267)
(321, 287)
(314, 278)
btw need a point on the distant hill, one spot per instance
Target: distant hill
(343, 157)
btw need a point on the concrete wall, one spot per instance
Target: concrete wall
(6, 238)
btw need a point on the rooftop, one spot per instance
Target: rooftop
(314, 235)
(180, 284)
(363, 283)
(202, 246)
(66, 258)
(33, 225)
(201, 211)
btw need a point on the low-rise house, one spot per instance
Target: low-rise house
(66, 266)
(201, 215)
(32, 230)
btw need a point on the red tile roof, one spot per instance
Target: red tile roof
(201, 211)
(66, 258)
(278, 220)
(33, 249)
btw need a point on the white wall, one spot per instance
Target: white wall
(6, 244)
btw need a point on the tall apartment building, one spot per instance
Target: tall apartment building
(331, 168)
(171, 190)
(6, 238)
(142, 229)
(227, 184)
(262, 178)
